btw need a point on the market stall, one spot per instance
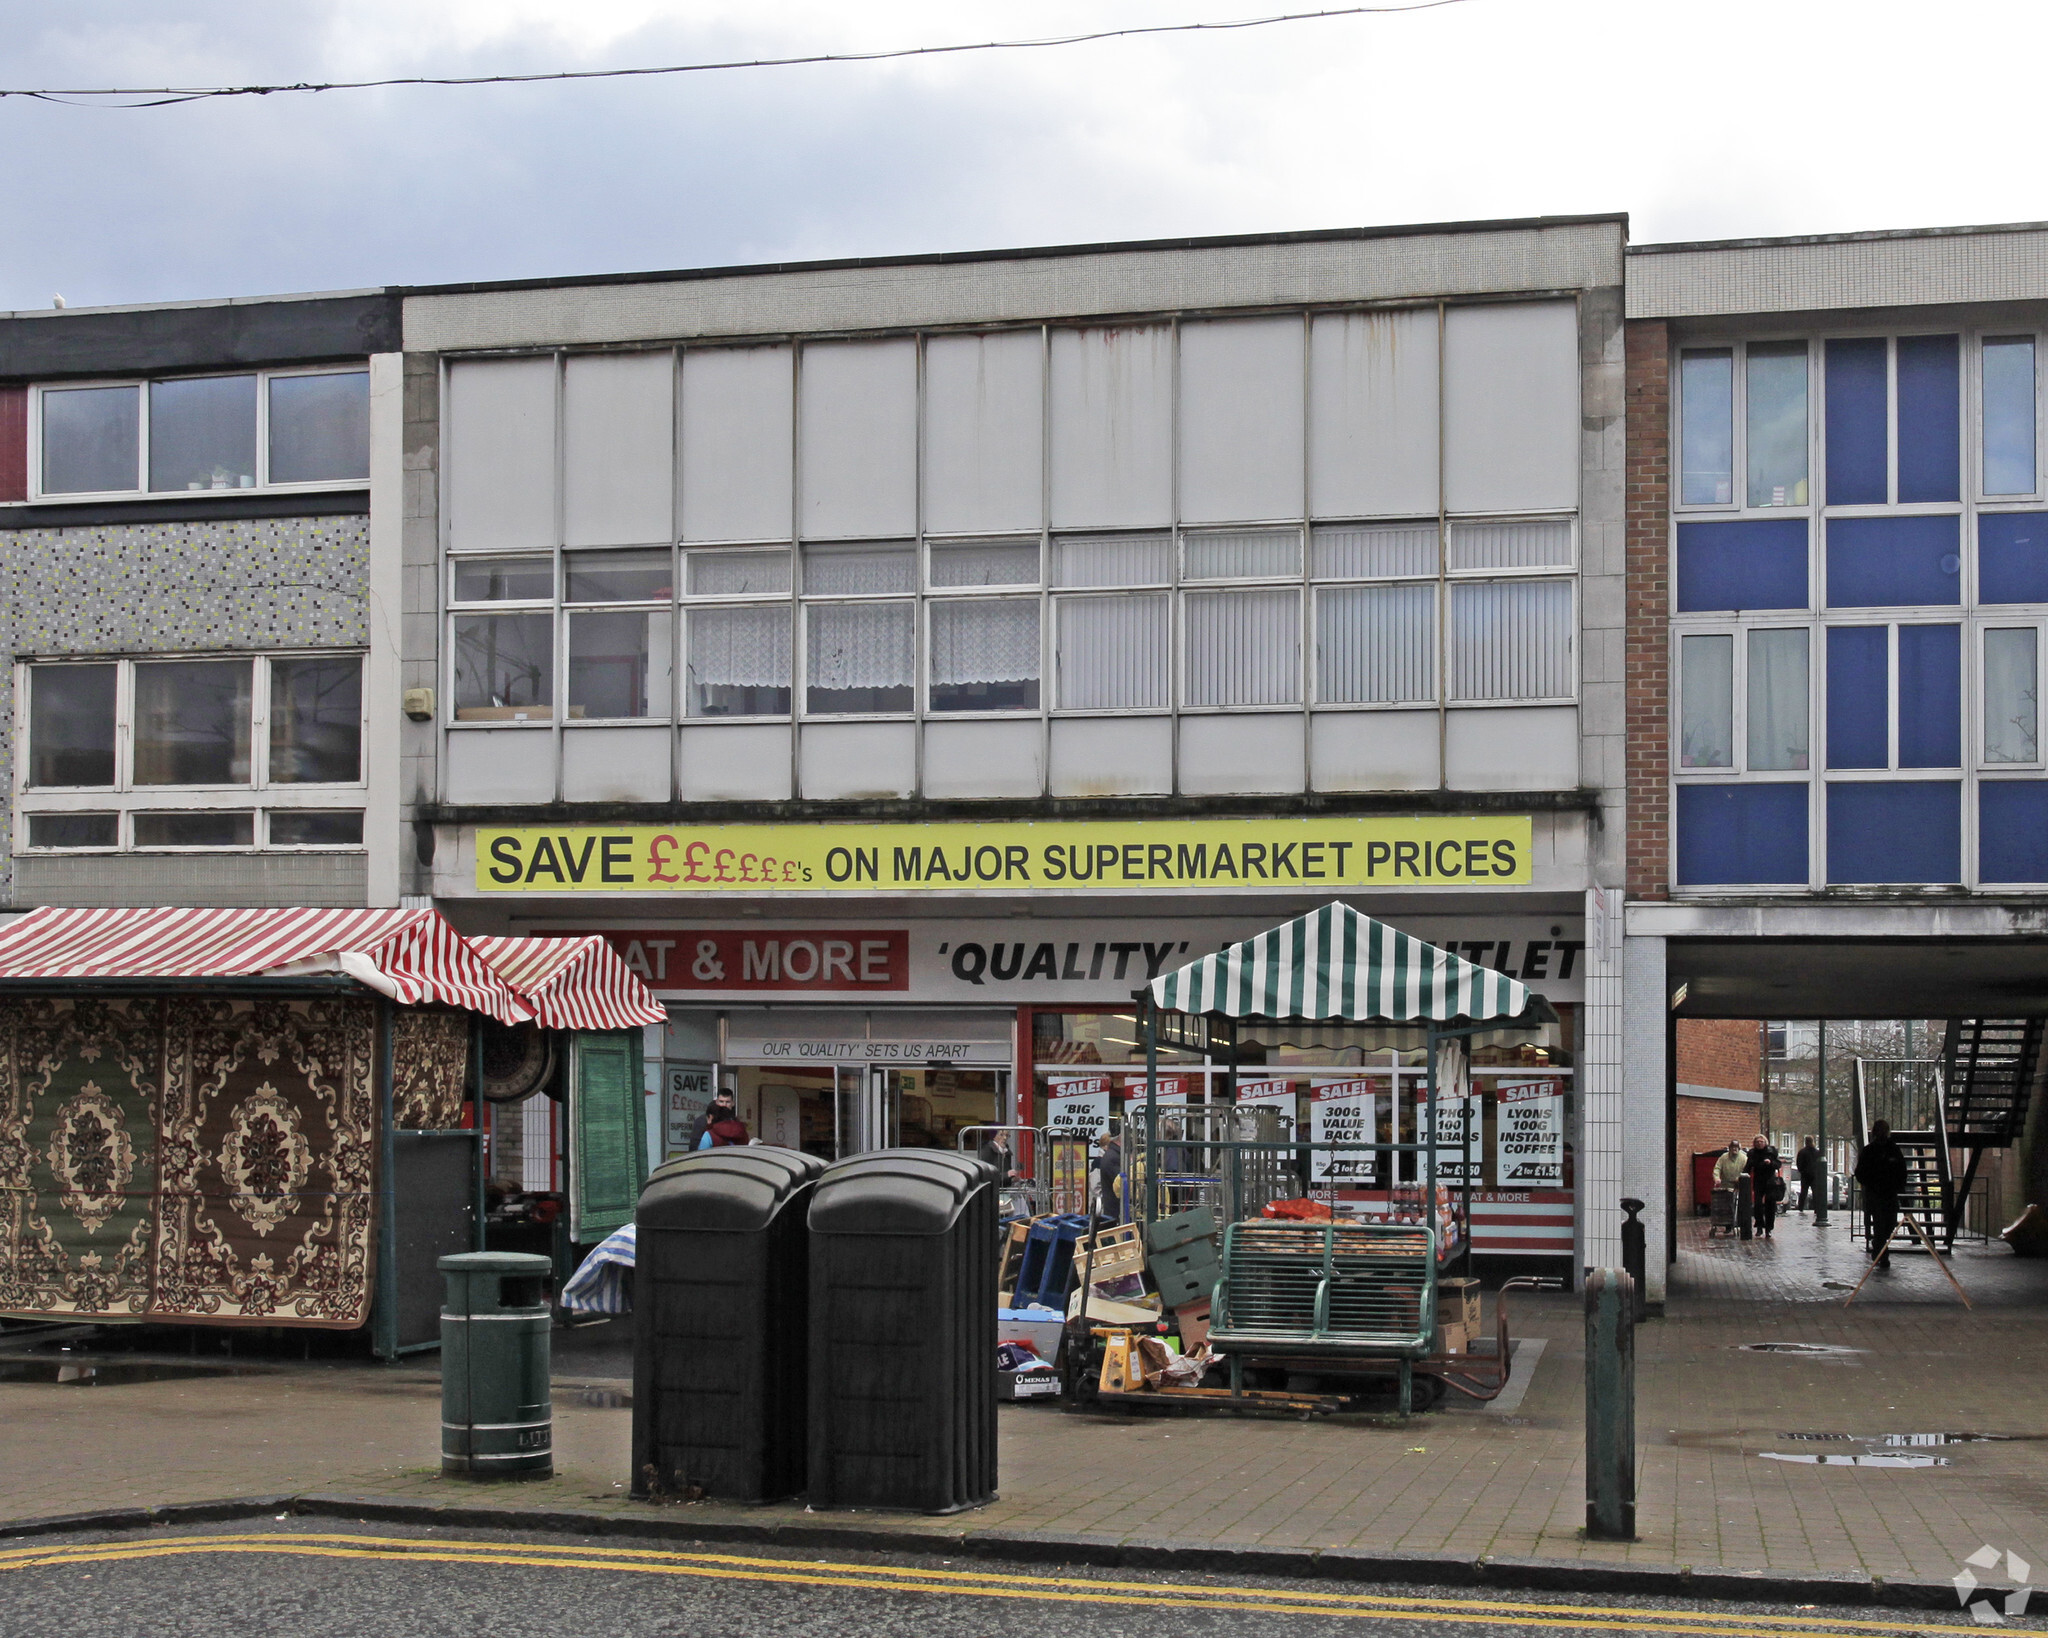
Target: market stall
(573, 1135)
(239, 1117)
(1346, 1273)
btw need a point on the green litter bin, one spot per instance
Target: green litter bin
(497, 1418)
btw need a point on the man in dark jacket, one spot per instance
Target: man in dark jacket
(1812, 1167)
(996, 1151)
(1109, 1164)
(1881, 1174)
(1766, 1184)
(721, 1110)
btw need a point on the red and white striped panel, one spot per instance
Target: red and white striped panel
(573, 983)
(1535, 1223)
(414, 956)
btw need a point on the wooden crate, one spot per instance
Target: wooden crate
(1119, 1252)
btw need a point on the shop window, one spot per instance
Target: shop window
(2010, 446)
(71, 725)
(219, 432)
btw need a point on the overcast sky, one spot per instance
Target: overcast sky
(1746, 117)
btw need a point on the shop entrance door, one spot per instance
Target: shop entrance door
(868, 1109)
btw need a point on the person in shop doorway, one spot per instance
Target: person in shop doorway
(996, 1151)
(1109, 1165)
(1881, 1174)
(1812, 1168)
(1766, 1184)
(721, 1113)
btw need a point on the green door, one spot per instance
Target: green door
(608, 1127)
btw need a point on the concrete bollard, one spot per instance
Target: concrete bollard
(1610, 1406)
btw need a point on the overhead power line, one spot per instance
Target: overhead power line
(164, 96)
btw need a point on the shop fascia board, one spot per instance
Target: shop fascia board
(1837, 920)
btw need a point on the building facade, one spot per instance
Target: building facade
(903, 660)
(198, 712)
(1838, 581)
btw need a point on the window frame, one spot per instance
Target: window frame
(258, 796)
(38, 496)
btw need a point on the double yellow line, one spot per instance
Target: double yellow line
(1055, 1589)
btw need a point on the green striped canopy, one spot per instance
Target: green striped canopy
(1336, 963)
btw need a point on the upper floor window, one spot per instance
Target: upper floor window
(1770, 409)
(220, 432)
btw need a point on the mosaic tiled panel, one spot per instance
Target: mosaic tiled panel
(163, 588)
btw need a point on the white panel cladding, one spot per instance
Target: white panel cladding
(1241, 417)
(1373, 751)
(1511, 407)
(984, 432)
(1250, 753)
(615, 764)
(733, 762)
(501, 453)
(618, 448)
(1512, 748)
(967, 759)
(501, 765)
(1112, 427)
(1112, 756)
(738, 404)
(1373, 411)
(857, 759)
(857, 438)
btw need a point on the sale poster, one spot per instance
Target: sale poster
(1076, 1106)
(1458, 1127)
(1342, 1112)
(1529, 1134)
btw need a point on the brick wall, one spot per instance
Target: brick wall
(1648, 672)
(1721, 1052)
(1708, 1123)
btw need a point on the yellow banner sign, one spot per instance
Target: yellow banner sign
(1072, 855)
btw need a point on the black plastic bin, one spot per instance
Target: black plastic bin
(720, 1314)
(903, 1332)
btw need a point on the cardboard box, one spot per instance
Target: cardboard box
(1457, 1303)
(1194, 1325)
(1452, 1339)
(1029, 1384)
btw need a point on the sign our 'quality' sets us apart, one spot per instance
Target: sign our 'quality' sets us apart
(1209, 854)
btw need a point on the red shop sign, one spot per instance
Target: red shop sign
(682, 958)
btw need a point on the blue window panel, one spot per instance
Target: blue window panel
(1930, 419)
(1859, 696)
(2012, 830)
(1930, 696)
(1858, 434)
(1755, 564)
(2012, 557)
(1742, 835)
(1907, 832)
(1894, 562)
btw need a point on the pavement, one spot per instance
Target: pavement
(1879, 1441)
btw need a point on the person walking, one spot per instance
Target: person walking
(1766, 1184)
(1881, 1174)
(996, 1151)
(720, 1108)
(1731, 1165)
(1109, 1165)
(1812, 1167)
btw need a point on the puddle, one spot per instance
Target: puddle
(599, 1398)
(104, 1374)
(1895, 1441)
(1820, 1348)
(1820, 1459)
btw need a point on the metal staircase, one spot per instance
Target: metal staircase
(1950, 1111)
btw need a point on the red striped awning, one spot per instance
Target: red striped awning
(572, 983)
(412, 956)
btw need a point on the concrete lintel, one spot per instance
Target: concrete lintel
(1845, 920)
